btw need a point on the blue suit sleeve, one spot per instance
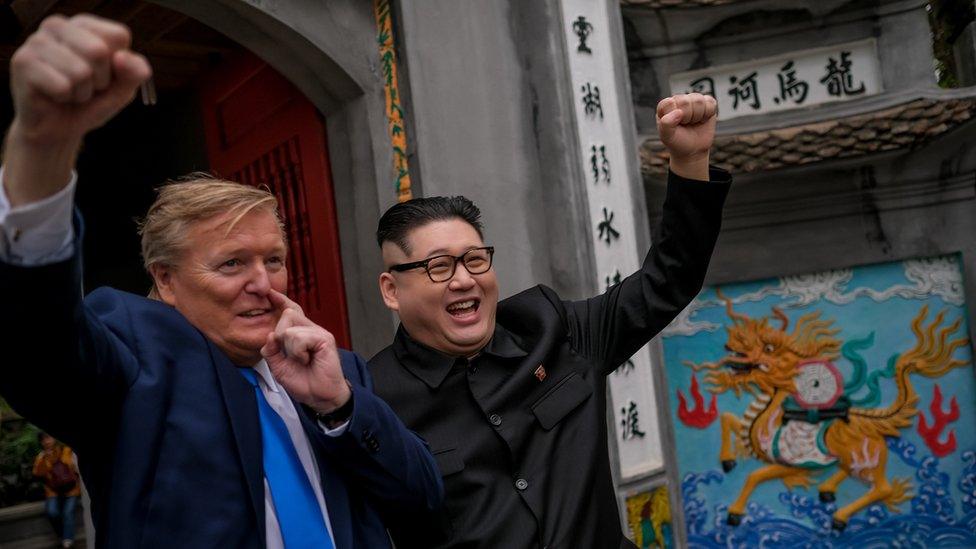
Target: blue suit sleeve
(391, 463)
(63, 369)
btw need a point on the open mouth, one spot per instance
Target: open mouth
(746, 367)
(254, 313)
(463, 308)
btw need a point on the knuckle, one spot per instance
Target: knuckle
(53, 23)
(80, 73)
(22, 59)
(96, 51)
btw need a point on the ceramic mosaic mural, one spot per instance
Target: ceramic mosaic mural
(836, 409)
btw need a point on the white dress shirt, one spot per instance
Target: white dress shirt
(41, 233)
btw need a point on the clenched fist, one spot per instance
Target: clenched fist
(68, 78)
(686, 126)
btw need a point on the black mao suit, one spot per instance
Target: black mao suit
(524, 455)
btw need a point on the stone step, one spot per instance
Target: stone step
(25, 526)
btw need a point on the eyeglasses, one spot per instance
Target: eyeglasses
(440, 268)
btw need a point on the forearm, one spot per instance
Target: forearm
(613, 326)
(34, 168)
(693, 166)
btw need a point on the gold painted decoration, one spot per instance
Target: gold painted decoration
(394, 110)
(649, 518)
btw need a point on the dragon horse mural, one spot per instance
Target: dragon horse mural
(804, 421)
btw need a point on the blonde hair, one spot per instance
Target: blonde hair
(191, 199)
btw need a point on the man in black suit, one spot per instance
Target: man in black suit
(216, 415)
(511, 394)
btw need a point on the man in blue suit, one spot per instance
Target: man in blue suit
(216, 414)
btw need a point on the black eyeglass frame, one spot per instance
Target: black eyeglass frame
(457, 259)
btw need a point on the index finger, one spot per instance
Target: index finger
(665, 106)
(281, 302)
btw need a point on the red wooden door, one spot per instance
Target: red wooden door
(261, 130)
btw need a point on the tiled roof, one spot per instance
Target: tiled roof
(660, 4)
(908, 125)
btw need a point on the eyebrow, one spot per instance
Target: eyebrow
(438, 251)
(240, 250)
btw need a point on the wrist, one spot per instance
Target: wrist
(324, 406)
(337, 411)
(34, 168)
(694, 166)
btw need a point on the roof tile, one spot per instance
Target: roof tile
(907, 125)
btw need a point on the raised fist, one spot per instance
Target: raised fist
(72, 76)
(686, 126)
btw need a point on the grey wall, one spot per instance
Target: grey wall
(492, 121)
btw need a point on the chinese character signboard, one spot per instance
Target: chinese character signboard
(798, 79)
(605, 160)
(836, 409)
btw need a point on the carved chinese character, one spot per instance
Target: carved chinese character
(613, 280)
(599, 163)
(591, 100)
(630, 422)
(839, 80)
(704, 85)
(607, 232)
(745, 90)
(790, 87)
(583, 30)
(625, 369)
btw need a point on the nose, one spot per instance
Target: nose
(259, 282)
(462, 279)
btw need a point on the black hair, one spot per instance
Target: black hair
(404, 217)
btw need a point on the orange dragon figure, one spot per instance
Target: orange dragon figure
(800, 422)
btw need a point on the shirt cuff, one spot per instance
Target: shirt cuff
(338, 431)
(39, 233)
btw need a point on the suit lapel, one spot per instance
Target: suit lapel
(242, 410)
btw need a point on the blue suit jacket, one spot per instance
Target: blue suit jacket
(166, 428)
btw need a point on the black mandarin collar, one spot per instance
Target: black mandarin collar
(432, 366)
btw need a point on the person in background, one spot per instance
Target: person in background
(56, 468)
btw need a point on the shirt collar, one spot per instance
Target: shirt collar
(432, 366)
(264, 372)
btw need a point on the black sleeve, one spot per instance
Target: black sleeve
(611, 327)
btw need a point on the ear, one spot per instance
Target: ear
(388, 289)
(163, 278)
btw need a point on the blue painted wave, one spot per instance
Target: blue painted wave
(933, 520)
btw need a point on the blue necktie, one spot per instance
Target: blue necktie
(299, 515)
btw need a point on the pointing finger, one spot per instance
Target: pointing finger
(281, 302)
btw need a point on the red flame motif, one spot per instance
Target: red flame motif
(698, 418)
(931, 434)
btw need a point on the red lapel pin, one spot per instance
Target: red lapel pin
(540, 373)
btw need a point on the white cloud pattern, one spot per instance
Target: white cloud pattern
(938, 276)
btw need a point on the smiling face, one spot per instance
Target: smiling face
(222, 278)
(456, 317)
